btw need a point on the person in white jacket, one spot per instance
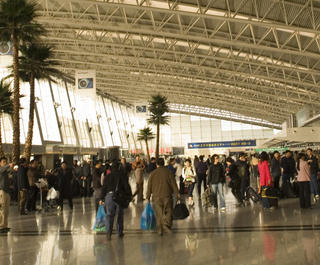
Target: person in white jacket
(189, 177)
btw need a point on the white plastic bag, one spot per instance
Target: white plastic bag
(52, 194)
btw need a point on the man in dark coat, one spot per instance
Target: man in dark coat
(87, 177)
(64, 175)
(162, 185)
(33, 177)
(23, 185)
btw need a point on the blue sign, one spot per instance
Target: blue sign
(222, 144)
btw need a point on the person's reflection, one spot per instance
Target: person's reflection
(192, 243)
(149, 252)
(104, 253)
(5, 250)
(308, 242)
(65, 242)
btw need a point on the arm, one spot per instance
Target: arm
(183, 174)
(268, 175)
(209, 176)
(149, 189)
(173, 185)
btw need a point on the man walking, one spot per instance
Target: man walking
(23, 185)
(288, 166)
(33, 177)
(4, 195)
(161, 185)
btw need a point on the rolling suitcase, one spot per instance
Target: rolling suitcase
(253, 195)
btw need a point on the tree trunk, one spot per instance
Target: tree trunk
(147, 147)
(1, 148)
(158, 140)
(28, 145)
(16, 101)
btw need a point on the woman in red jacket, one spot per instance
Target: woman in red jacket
(265, 176)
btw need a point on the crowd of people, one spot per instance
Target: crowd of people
(289, 174)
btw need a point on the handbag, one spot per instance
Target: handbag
(180, 211)
(120, 197)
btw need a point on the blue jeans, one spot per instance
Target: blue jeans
(218, 188)
(111, 209)
(314, 184)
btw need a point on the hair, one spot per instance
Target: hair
(229, 159)
(276, 152)
(153, 159)
(309, 149)
(3, 158)
(115, 164)
(137, 156)
(160, 162)
(171, 159)
(64, 162)
(188, 160)
(300, 156)
(287, 151)
(264, 156)
(214, 157)
(22, 160)
(99, 161)
(242, 154)
(32, 161)
(201, 157)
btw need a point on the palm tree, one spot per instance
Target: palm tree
(145, 135)
(17, 25)
(36, 64)
(158, 106)
(6, 106)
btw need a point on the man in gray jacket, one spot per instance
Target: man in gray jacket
(4, 195)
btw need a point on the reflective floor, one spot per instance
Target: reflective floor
(238, 236)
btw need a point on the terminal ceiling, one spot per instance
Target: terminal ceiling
(254, 58)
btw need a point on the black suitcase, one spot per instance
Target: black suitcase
(253, 195)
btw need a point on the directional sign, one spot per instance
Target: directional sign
(228, 144)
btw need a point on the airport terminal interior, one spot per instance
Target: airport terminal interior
(206, 110)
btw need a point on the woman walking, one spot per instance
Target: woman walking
(265, 176)
(189, 178)
(303, 178)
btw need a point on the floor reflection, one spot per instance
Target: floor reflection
(239, 236)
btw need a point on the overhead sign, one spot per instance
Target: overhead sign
(86, 80)
(273, 149)
(222, 144)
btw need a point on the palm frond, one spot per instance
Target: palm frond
(6, 104)
(18, 16)
(145, 134)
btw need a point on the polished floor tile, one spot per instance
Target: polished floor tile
(245, 236)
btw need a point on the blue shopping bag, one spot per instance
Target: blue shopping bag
(148, 219)
(100, 223)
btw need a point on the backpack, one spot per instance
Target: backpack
(242, 171)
